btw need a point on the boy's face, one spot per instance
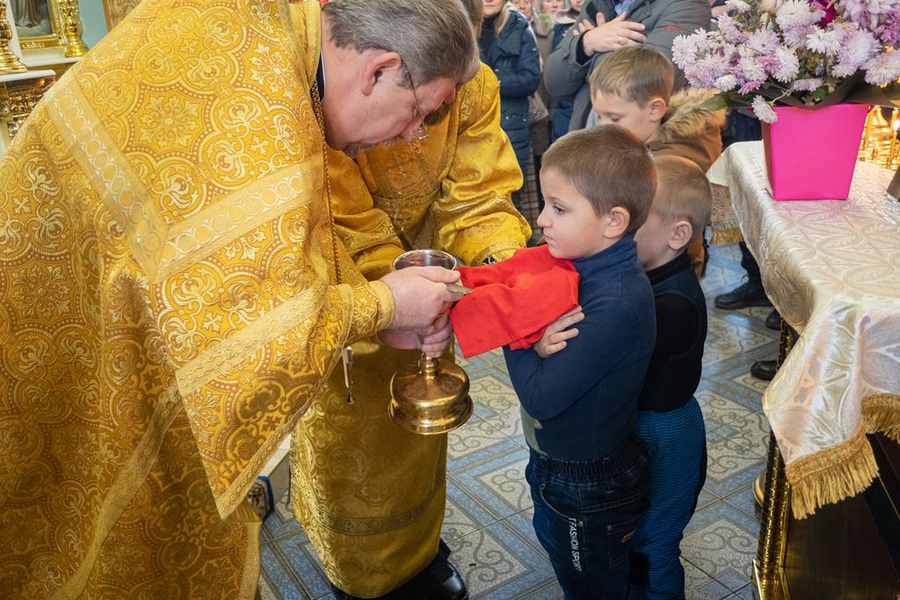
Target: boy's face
(643, 122)
(653, 241)
(572, 229)
(661, 240)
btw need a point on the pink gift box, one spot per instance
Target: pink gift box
(811, 153)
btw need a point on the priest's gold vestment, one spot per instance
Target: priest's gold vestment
(169, 301)
(369, 494)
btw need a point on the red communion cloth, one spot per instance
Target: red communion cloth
(514, 300)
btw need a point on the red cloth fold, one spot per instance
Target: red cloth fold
(514, 300)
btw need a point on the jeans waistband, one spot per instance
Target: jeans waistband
(626, 457)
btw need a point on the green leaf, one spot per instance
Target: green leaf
(717, 102)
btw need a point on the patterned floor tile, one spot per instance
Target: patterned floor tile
(744, 500)
(457, 520)
(719, 410)
(725, 340)
(469, 505)
(705, 498)
(282, 522)
(278, 578)
(496, 564)
(746, 592)
(747, 380)
(500, 401)
(475, 441)
(499, 484)
(751, 430)
(301, 557)
(730, 464)
(721, 541)
(700, 586)
(521, 523)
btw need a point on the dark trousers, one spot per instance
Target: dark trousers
(676, 443)
(751, 266)
(742, 127)
(585, 514)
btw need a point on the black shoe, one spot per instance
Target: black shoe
(742, 296)
(773, 321)
(763, 369)
(451, 588)
(438, 581)
(444, 581)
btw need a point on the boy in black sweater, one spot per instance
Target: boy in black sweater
(669, 420)
(588, 474)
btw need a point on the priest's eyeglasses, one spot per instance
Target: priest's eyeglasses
(420, 133)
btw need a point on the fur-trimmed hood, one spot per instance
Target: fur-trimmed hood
(690, 131)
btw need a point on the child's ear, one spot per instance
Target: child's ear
(682, 232)
(657, 109)
(619, 220)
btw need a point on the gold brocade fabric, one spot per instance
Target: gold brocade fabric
(832, 269)
(167, 301)
(370, 495)
(451, 190)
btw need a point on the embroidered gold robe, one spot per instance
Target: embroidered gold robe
(169, 301)
(369, 494)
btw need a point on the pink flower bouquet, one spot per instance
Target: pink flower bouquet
(802, 53)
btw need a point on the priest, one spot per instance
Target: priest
(172, 291)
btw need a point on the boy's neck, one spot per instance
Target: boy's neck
(654, 135)
(606, 244)
(665, 259)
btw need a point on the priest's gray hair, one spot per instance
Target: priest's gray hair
(434, 38)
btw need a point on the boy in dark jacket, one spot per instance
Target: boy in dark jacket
(669, 420)
(587, 472)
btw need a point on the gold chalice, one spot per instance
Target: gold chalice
(432, 396)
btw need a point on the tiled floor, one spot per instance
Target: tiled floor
(488, 518)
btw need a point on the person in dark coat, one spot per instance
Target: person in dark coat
(508, 47)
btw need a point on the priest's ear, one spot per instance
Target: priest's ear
(680, 234)
(379, 66)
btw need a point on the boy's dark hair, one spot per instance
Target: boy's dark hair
(683, 192)
(608, 166)
(637, 73)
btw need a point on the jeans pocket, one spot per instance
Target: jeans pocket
(618, 538)
(558, 509)
(567, 547)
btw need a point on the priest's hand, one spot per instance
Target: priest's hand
(432, 340)
(420, 295)
(557, 332)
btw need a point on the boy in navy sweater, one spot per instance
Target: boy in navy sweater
(588, 474)
(669, 420)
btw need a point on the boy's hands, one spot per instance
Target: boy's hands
(606, 37)
(432, 340)
(557, 332)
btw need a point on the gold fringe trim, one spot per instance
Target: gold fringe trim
(726, 235)
(842, 471)
(881, 413)
(830, 475)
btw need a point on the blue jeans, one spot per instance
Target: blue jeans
(585, 514)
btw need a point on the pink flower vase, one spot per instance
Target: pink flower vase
(811, 153)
